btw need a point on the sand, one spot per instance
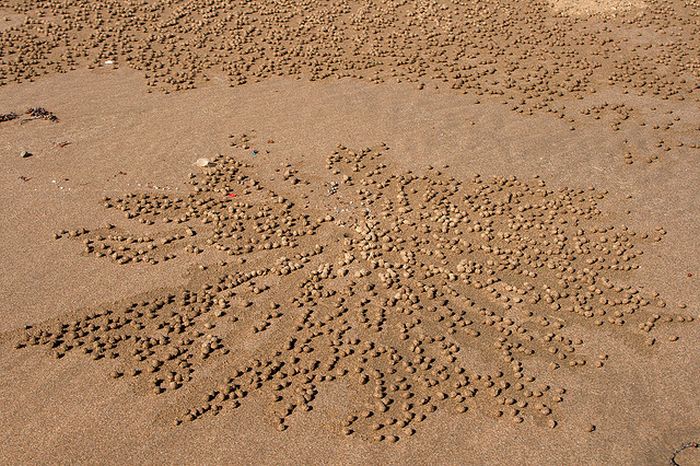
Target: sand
(596, 7)
(381, 268)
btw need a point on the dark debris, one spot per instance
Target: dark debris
(41, 113)
(34, 113)
(8, 117)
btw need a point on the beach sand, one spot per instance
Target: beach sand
(389, 251)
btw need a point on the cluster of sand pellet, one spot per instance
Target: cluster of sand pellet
(522, 51)
(528, 56)
(414, 291)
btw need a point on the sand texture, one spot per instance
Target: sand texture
(350, 232)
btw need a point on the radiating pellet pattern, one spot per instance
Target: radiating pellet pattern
(415, 291)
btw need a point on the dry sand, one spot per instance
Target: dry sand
(477, 247)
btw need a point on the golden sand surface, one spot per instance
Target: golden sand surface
(349, 232)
